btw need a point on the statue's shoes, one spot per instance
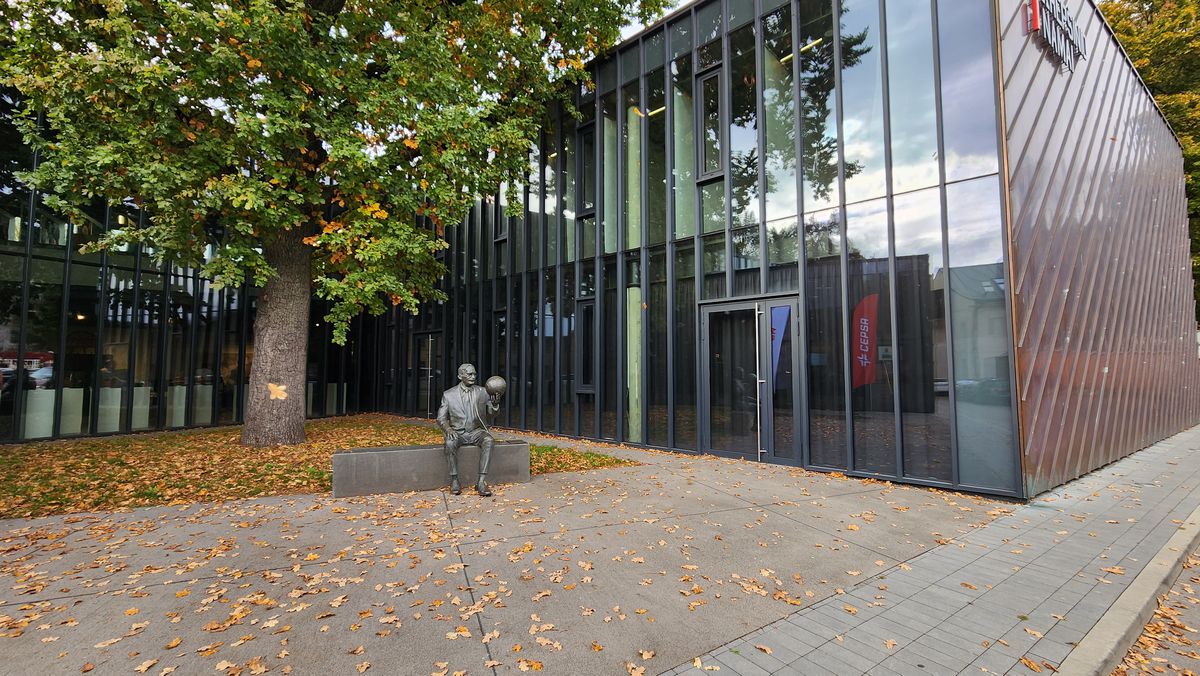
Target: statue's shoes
(455, 488)
(482, 489)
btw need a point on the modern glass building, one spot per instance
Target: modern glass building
(921, 240)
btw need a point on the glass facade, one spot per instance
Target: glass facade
(117, 342)
(774, 230)
(773, 218)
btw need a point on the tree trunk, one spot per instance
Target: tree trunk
(276, 395)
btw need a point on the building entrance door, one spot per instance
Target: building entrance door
(751, 379)
(427, 372)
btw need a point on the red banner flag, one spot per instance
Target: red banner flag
(862, 341)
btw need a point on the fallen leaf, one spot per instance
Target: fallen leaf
(646, 654)
(889, 644)
(362, 666)
(1033, 666)
(850, 609)
(145, 666)
(174, 643)
(1033, 632)
(597, 647)
(87, 666)
(763, 648)
(131, 612)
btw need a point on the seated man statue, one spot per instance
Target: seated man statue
(461, 418)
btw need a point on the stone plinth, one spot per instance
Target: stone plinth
(397, 469)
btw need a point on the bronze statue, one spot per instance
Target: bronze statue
(461, 417)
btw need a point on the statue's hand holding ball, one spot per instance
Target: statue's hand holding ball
(495, 387)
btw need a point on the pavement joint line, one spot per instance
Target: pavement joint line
(1105, 644)
(487, 647)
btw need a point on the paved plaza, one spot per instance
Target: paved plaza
(684, 564)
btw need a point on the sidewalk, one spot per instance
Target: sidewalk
(605, 572)
(1015, 597)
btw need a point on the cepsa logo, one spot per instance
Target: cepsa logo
(1052, 21)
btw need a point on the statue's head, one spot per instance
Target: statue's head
(467, 374)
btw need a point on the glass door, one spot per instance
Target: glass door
(427, 357)
(750, 379)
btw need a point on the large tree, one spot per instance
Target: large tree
(1162, 37)
(302, 140)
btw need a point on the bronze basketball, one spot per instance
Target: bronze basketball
(495, 386)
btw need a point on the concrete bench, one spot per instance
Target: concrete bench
(397, 469)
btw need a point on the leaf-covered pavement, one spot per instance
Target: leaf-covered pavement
(1170, 641)
(633, 568)
(138, 470)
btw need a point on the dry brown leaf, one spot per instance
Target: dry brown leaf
(362, 666)
(174, 643)
(1031, 665)
(131, 612)
(1033, 632)
(889, 644)
(850, 609)
(646, 654)
(763, 648)
(87, 666)
(597, 647)
(145, 666)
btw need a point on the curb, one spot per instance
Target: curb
(1104, 646)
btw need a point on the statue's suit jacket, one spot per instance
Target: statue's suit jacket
(464, 416)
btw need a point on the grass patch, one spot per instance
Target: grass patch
(137, 470)
(544, 459)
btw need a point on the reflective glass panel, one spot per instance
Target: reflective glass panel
(684, 365)
(783, 253)
(42, 367)
(566, 346)
(708, 22)
(968, 89)
(782, 379)
(609, 366)
(743, 129)
(872, 363)
(712, 206)
(549, 191)
(148, 315)
(862, 101)
(747, 261)
(14, 196)
(658, 323)
(912, 102)
(12, 271)
(567, 190)
(587, 174)
(177, 349)
(79, 362)
(818, 101)
(730, 352)
(631, 140)
(656, 157)
(921, 327)
(634, 359)
(683, 130)
(549, 334)
(824, 322)
(609, 189)
(208, 339)
(981, 337)
(710, 117)
(714, 266)
(779, 115)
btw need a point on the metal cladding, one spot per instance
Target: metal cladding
(1103, 313)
